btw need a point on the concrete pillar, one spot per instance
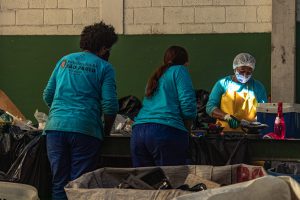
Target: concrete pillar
(283, 60)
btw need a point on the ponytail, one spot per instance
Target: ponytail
(174, 55)
(153, 81)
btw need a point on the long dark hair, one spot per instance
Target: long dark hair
(174, 55)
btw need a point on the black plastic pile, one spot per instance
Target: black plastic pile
(129, 106)
(155, 180)
(23, 158)
(202, 118)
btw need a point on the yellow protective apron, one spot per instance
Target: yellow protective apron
(241, 105)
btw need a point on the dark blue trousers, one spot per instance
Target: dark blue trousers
(158, 145)
(70, 155)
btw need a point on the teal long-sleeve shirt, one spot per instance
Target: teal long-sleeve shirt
(81, 88)
(255, 87)
(173, 101)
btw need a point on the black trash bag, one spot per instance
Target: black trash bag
(283, 167)
(220, 150)
(196, 188)
(154, 179)
(12, 142)
(202, 97)
(4, 117)
(32, 167)
(129, 106)
(5, 142)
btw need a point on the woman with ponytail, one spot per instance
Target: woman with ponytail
(160, 135)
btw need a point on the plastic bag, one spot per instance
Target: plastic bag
(202, 97)
(41, 118)
(122, 125)
(154, 179)
(23, 124)
(221, 150)
(31, 166)
(12, 141)
(4, 117)
(129, 106)
(4, 143)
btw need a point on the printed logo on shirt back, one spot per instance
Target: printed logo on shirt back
(78, 67)
(63, 63)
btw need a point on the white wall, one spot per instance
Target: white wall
(68, 17)
(47, 17)
(197, 16)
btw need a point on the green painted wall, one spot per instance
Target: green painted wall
(27, 61)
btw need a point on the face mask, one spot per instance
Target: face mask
(242, 78)
(106, 55)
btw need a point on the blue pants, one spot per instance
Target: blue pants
(158, 145)
(70, 155)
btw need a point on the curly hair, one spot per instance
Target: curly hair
(96, 36)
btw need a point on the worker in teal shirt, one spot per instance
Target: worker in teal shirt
(160, 133)
(80, 90)
(236, 97)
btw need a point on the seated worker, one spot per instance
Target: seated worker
(160, 135)
(235, 97)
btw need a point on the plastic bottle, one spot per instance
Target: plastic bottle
(279, 124)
